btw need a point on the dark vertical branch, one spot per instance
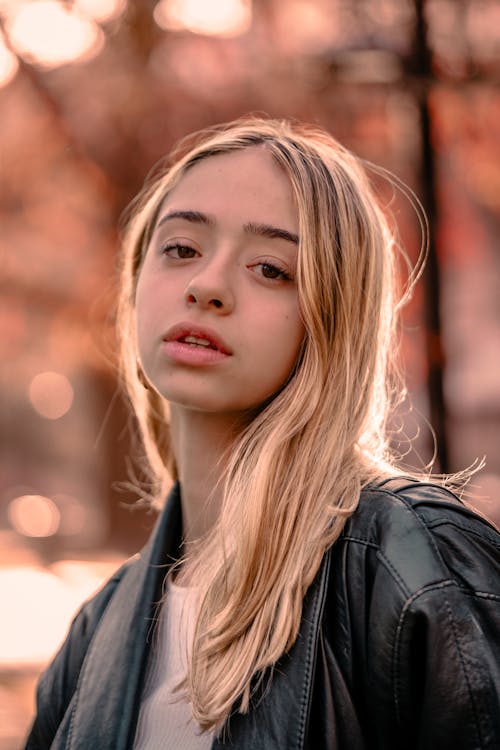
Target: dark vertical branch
(432, 276)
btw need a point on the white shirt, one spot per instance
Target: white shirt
(165, 720)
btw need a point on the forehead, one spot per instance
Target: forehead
(247, 184)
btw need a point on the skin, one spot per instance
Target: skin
(220, 267)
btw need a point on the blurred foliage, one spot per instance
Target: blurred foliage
(77, 140)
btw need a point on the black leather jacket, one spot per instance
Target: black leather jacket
(399, 646)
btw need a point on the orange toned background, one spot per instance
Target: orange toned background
(92, 94)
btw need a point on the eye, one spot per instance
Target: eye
(272, 271)
(179, 251)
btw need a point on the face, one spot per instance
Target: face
(218, 322)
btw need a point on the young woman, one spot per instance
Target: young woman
(296, 592)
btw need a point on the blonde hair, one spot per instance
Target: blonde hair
(295, 473)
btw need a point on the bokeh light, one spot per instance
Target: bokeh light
(224, 18)
(41, 604)
(34, 515)
(46, 599)
(47, 33)
(51, 394)
(7, 6)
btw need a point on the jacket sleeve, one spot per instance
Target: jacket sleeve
(57, 684)
(445, 660)
(445, 667)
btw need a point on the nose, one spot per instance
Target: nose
(210, 289)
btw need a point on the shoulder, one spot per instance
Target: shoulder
(414, 601)
(423, 534)
(426, 503)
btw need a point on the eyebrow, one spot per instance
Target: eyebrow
(267, 230)
(195, 217)
(252, 227)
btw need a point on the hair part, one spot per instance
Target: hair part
(295, 473)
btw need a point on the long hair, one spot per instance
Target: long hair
(295, 473)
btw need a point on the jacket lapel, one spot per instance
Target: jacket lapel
(108, 693)
(279, 716)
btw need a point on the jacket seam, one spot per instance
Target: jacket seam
(480, 594)
(358, 540)
(398, 494)
(310, 652)
(475, 709)
(72, 718)
(396, 651)
(397, 639)
(447, 522)
(406, 505)
(387, 563)
(384, 560)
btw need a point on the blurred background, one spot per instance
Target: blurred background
(92, 94)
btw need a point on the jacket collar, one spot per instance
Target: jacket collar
(109, 690)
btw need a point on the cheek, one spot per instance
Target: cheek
(284, 343)
(141, 310)
(150, 295)
(147, 312)
(297, 333)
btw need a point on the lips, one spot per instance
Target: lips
(197, 337)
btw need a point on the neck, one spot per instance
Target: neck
(200, 442)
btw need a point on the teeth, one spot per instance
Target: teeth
(197, 341)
